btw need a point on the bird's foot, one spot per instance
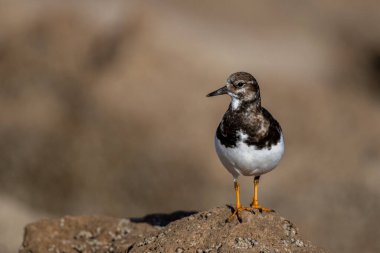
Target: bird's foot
(262, 209)
(236, 213)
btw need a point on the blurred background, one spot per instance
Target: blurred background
(103, 110)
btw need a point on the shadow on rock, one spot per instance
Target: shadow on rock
(162, 219)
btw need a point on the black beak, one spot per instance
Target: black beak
(218, 92)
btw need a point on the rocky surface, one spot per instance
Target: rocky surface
(177, 232)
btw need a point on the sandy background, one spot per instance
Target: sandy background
(103, 110)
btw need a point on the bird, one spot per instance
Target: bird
(249, 140)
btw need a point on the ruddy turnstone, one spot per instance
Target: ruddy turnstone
(248, 140)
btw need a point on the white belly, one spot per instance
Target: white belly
(247, 160)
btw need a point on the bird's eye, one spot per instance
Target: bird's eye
(239, 85)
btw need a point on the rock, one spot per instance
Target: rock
(179, 232)
(83, 234)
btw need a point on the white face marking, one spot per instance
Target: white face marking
(235, 102)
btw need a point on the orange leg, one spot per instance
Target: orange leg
(255, 201)
(238, 208)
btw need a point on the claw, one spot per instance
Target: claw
(262, 209)
(237, 212)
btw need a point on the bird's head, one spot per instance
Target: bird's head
(241, 87)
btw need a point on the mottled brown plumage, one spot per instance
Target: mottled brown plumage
(246, 115)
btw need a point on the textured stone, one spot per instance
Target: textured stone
(178, 232)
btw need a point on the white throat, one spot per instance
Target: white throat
(235, 103)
